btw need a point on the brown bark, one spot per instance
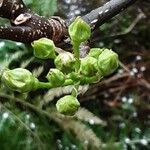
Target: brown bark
(27, 26)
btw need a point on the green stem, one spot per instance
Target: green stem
(76, 51)
(89, 80)
(48, 85)
(84, 80)
(68, 82)
(44, 85)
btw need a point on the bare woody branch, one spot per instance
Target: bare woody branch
(27, 26)
(102, 14)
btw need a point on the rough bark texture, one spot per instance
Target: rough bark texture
(102, 14)
(27, 26)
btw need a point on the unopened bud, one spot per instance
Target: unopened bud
(55, 77)
(108, 62)
(74, 76)
(65, 62)
(89, 66)
(79, 31)
(20, 80)
(95, 52)
(67, 105)
(44, 48)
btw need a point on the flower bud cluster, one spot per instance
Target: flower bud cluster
(70, 69)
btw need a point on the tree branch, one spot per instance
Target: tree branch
(10, 9)
(27, 26)
(102, 14)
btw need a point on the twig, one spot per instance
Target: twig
(131, 27)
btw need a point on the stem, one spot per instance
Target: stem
(44, 85)
(68, 82)
(76, 50)
(89, 80)
(48, 85)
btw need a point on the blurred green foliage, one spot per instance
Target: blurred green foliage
(42, 7)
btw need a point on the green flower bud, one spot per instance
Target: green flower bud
(74, 76)
(108, 62)
(20, 80)
(89, 66)
(67, 105)
(65, 62)
(79, 30)
(44, 48)
(56, 77)
(95, 52)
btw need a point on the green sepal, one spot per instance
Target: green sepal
(95, 52)
(74, 76)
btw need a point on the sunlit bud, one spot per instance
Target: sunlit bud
(89, 66)
(44, 48)
(20, 80)
(79, 31)
(95, 52)
(108, 62)
(67, 105)
(55, 77)
(65, 62)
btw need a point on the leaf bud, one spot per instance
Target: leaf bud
(55, 77)
(108, 62)
(67, 105)
(20, 80)
(44, 48)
